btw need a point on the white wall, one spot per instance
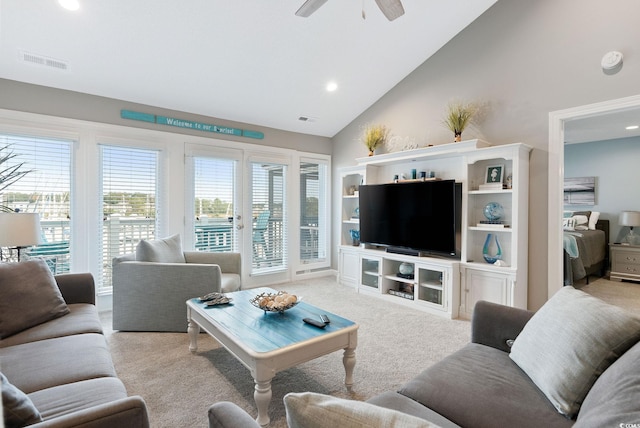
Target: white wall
(523, 59)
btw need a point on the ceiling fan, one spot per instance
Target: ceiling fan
(392, 9)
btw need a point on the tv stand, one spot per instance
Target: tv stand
(449, 286)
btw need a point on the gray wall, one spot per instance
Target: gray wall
(522, 59)
(75, 105)
(614, 164)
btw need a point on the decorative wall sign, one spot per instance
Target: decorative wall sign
(189, 124)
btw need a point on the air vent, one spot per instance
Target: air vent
(307, 119)
(43, 60)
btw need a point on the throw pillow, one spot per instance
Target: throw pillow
(29, 296)
(312, 410)
(166, 250)
(18, 409)
(569, 342)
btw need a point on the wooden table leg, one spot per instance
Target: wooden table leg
(193, 330)
(262, 396)
(349, 361)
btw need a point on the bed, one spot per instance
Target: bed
(586, 252)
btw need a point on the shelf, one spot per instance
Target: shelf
(491, 229)
(399, 279)
(490, 192)
(431, 152)
(433, 286)
(370, 272)
(350, 196)
(351, 221)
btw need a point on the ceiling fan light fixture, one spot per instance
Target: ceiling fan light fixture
(392, 9)
(308, 7)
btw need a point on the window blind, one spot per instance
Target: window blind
(128, 196)
(45, 189)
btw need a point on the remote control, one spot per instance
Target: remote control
(314, 323)
(324, 319)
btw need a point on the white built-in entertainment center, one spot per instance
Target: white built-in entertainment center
(448, 286)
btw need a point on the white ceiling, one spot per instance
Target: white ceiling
(250, 61)
(602, 127)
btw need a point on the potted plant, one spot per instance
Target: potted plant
(374, 136)
(458, 116)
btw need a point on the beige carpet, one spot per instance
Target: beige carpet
(394, 344)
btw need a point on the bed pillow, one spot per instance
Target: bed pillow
(569, 342)
(581, 222)
(166, 250)
(312, 410)
(593, 219)
(30, 296)
(569, 223)
(18, 409)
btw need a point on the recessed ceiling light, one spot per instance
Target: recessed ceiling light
(332, 86)
(70, 4)
(632, 127)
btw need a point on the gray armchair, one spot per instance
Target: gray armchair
(151, 296)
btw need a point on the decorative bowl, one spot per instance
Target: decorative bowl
(275, 302)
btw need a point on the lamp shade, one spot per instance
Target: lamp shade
(19, 229)
(629, 218)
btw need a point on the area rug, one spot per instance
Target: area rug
(395, 343)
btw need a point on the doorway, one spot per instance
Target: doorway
(557, 121)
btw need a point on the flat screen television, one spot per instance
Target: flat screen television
(412, 218)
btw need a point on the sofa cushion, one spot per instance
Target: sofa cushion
(30, 296)
(614, 400)
(71, 397)
(395, 401)
(479, 386)
(312, 410)
(82, 318)
(569, 342)
(51, 362)
(18, 409)
(166, 250)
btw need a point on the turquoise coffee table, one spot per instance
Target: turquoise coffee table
(267, 343)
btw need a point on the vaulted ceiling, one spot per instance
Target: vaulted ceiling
(250, 61)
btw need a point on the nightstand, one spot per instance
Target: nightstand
(625, 262)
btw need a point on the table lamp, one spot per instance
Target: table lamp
(631, 219)
(19, 230)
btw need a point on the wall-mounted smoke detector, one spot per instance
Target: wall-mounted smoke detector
(32, 58)
(611, 60)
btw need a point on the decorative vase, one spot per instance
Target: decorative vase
(493, 211)
(492, 252)
(355, 237)
(370, 152)
(457, 137)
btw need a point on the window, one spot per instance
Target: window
(269, 214)
(45, 189)
(128, 197)
(214, 211)
(313, 212)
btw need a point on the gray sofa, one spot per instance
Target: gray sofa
(481, 386)
(151, 296)
(64, 366)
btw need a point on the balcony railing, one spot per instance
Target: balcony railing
(122, 234)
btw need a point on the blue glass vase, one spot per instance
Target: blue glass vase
(492, 252)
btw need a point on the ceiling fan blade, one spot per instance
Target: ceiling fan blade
(309, 7)
(392, 9)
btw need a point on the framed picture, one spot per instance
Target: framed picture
(580, 191)
(494, 174)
